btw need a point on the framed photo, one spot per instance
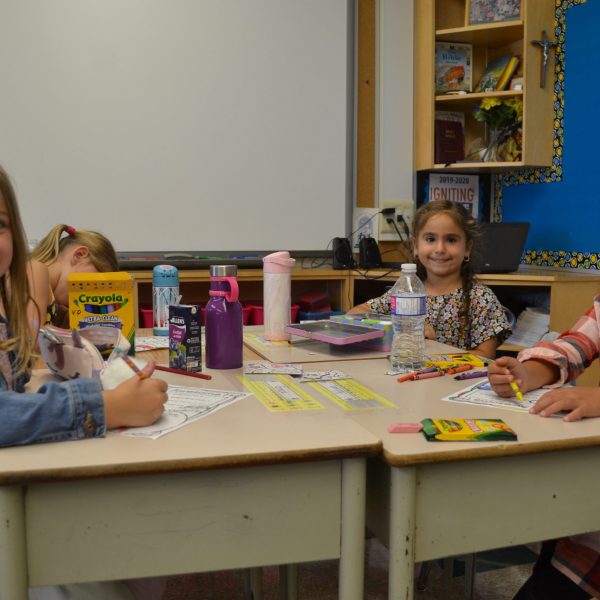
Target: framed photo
(492, 11)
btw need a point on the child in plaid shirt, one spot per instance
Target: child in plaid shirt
(569, 568)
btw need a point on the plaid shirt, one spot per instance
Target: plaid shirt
(577, 557)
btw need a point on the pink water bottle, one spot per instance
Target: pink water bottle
(277, 294)
(224, 336)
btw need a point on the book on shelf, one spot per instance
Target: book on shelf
(453, 67)
(492, 11)
(449, 132)
(497, 74)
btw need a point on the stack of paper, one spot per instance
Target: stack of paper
(532, 324)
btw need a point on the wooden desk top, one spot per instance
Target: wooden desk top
(240, 435)
(417, 400)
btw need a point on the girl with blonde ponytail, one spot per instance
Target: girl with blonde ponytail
(63, 251)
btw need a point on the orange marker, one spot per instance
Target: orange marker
(459, 369)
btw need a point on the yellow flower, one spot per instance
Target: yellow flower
(487, 103)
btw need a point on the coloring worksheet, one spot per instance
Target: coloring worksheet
(482, 394)
(184, 406)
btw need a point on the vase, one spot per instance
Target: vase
(490, 154)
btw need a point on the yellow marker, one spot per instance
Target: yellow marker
(516, 390)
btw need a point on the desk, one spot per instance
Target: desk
(242, 488)
(429, 500)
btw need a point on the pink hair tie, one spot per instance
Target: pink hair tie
(70, 230)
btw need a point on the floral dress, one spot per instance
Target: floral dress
(486, 314)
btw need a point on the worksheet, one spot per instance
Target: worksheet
(482, 394)
(184, 406)
(151, 342)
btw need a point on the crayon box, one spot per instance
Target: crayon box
(185, 350)
(104, 299)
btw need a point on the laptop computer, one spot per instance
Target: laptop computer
(500, 248)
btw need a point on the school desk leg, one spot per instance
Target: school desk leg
(403, 486)
(288, 586)
(13, 555)
(352, 555)
(253, 587)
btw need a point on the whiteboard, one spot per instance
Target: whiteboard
(180, 124)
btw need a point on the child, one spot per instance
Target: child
(73, 409)
(460, 311)
(54, 259)
(70, 410)
(567, 569)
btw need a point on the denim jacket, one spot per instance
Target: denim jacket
(69, 410)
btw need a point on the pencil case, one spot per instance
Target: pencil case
(76, 353)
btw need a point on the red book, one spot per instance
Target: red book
(449, 142)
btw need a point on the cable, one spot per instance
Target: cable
(391, 221)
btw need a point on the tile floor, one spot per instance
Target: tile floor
(318, 581)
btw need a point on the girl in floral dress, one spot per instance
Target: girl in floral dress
(460, 311)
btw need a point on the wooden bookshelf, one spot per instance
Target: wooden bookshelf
(447, 21)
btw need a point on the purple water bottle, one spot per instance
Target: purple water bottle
(223, 320)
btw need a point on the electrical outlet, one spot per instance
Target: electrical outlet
(387, 231)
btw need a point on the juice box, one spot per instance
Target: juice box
(185, 350)
(104, 299)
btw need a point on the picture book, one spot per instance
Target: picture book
(453, 67)
(448, 360)
(471, 430)
(491, 11)
(494, 75)
(508, 72)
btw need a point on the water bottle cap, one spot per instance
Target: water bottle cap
(223, 271)
(278, 262)
(409, 267)
(165, 276)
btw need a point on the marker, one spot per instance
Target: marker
(131, 364)
(182, 372)
(459, 369)
(472, 375)
(514, 386)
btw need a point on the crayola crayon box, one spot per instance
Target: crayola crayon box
(104, 299)
(471, 430)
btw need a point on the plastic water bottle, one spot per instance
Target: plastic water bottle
(165, 292)
(409, 301)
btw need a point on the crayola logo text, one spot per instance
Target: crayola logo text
(83, 298)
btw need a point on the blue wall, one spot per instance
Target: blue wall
(565, 215)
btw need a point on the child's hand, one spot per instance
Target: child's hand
(135, 402)
(429, 332)
(580, 401)
(504, 370)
